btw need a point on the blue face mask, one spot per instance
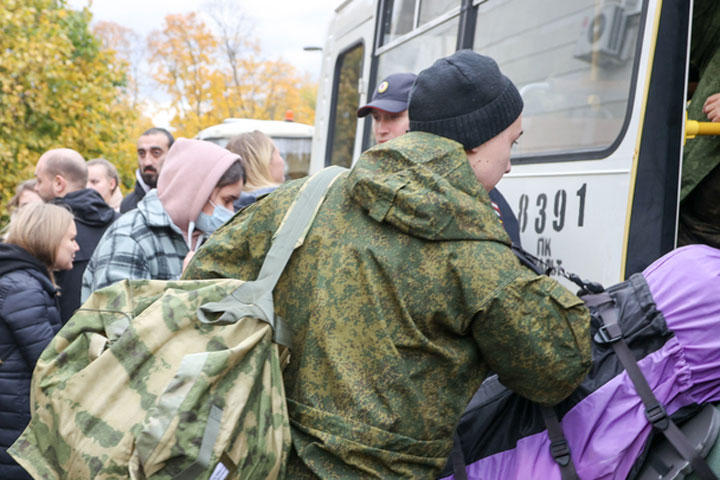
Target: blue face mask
(210, 223)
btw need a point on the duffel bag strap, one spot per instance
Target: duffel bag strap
(254, 298)
(611, 333)
(559, 448)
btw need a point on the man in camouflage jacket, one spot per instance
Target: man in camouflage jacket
(405, 293)
(699, 220)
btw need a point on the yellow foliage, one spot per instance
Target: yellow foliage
(209, 78)
(59, 88)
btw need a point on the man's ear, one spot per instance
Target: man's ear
(473, 150)
(59, 185)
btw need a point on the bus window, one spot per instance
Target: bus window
(400, 18)
(431, 9)
(296, 152)
(420, 51)
(341, 139)
(572, 63)
(404, 16)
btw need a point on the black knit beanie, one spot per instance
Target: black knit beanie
(464, 97)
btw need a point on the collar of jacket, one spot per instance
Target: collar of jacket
(155, 215)
(14, 257)
(423, 185)
(88, 207)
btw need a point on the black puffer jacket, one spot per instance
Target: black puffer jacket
(92, 217)
(29, 318)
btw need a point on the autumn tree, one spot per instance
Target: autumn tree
(182, 54)
(129, 49)
(213, 74)
(58, 88)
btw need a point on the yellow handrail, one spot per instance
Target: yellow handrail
(694, 128)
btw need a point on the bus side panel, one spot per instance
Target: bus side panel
(574, 213)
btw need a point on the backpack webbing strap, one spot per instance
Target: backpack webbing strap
(458, 458)
(212, 430)
(611, 333)
(254, 298)
(559, 448)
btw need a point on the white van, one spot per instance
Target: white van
(294, 140)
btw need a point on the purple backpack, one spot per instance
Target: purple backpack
(669, 317)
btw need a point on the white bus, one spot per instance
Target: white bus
(294, 140)
(595, 178)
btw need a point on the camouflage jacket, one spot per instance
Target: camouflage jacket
(702, 154)
(403, 296)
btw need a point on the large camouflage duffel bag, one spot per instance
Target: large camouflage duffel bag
(170, 380)
(133, 386)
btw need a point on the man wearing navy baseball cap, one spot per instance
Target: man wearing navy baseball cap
(389, 107)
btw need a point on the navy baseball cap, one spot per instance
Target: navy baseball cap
(391, 95)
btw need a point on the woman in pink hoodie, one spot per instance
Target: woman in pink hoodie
(195, 193)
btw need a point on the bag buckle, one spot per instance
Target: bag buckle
(608, 334)
(560, 452)
(657, 416)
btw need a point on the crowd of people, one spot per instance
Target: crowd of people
(409, 292)
(72, 232)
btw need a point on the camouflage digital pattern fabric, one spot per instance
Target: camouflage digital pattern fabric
(403, 296)
(699, 220)
(702, 154)
(127, 387)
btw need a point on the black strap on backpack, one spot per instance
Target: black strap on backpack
(457, 457)
(594, 295)
(559, 448)
(610, 333)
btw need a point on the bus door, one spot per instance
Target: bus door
(367, 41)
(343, 85)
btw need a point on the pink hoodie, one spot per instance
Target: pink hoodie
(188, 176)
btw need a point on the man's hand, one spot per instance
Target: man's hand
(711, 108)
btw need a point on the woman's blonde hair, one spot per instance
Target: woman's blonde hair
(39, 228)
(110, 170)
(255, 150)
(26, 186)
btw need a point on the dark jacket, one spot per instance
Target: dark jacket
(92, 217)
(248, 198)
(29, 318)
(131, 199)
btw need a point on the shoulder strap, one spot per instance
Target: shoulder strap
(611, 333)
(254, 298)
(457, 457)
(559, 448)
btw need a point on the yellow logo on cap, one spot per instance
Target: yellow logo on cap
(382, 87)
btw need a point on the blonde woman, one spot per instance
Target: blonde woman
(103, 177)
(41, 240)
(264, 167)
